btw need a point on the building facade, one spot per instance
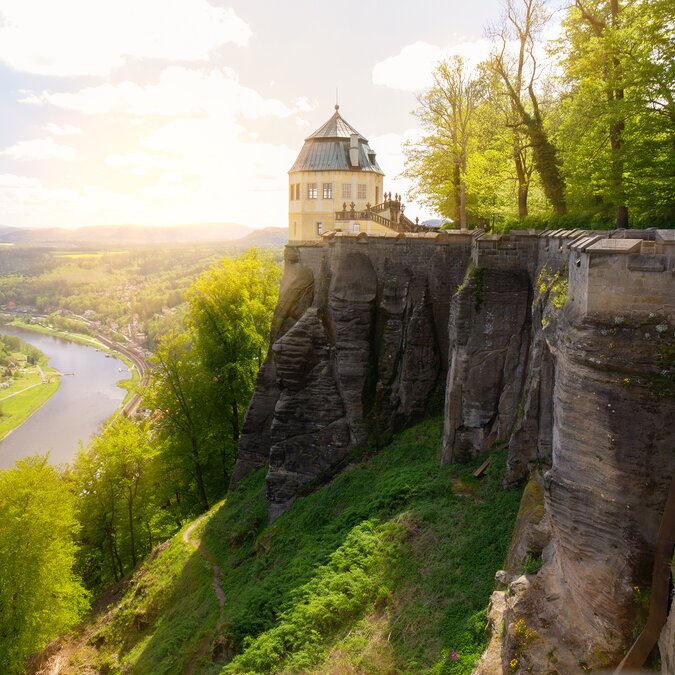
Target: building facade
(336, 184)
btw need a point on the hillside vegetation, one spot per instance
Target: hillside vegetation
(388, 568)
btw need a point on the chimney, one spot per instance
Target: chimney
(354, 149)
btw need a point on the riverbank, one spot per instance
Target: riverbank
(28, 392)
(87, 398)
(130, 385)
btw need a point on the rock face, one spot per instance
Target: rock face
(585, 387)
(358, 350)
(667, 640)
(489, 330)
(560, 346)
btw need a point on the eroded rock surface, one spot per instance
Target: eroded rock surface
(560, 346)
(489, 333)
(356, 353)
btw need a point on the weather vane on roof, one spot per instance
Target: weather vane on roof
(337, 104)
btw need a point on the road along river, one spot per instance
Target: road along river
(87, 397)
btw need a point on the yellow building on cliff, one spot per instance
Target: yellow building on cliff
(336, 184)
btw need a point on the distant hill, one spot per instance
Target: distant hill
(127, 234)
(267, 236)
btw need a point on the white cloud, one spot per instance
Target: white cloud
(87, 37)
(39, 148)
(412, 68)
(63, 129)
(142, 163)
(9, 181)
(180, 91)
(27, 201)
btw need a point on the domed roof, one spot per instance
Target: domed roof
(336, 127)
(327, 149)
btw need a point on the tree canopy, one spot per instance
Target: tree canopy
(581, 124)
(40, 595)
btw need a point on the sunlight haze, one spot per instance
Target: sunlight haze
(167, 113)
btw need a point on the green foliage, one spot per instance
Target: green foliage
(439, 574)
(384, 569)
(554, 285)
(476, 275)
(39, 594)
(116, 481)
(617, 116)
(531, 564)
(204, 377)
(353, 579)
(586, 220)
(600, 134)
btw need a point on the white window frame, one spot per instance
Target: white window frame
(312, 191)
(362, 191)
(346, 190)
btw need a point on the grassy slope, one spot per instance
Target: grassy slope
(386, 569)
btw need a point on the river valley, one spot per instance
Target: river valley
(88, 396)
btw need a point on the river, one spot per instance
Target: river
(85, 399)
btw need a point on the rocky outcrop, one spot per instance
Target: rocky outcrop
(295, 296)
(489, 332)
(559, 346)
(577, 379)
(356, 352)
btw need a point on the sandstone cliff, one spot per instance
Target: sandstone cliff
(358, 350)
(559, 345)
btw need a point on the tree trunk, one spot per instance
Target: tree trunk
(199, 475)
(147, 524)
(457, 191)
(616, 129)
(546, 161)
(522, 182)
(119, 560)
(132, 537)
(108, 537)
(235, 422)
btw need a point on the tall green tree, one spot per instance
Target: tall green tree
(40, 596)
(230, 313)
(182, 393)
(519, 71)
(117, 494)
(619, 117)
(446, 113)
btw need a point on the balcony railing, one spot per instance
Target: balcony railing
(398, 221)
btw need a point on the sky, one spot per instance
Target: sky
(169, 112)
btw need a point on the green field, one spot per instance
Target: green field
(24, 397)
